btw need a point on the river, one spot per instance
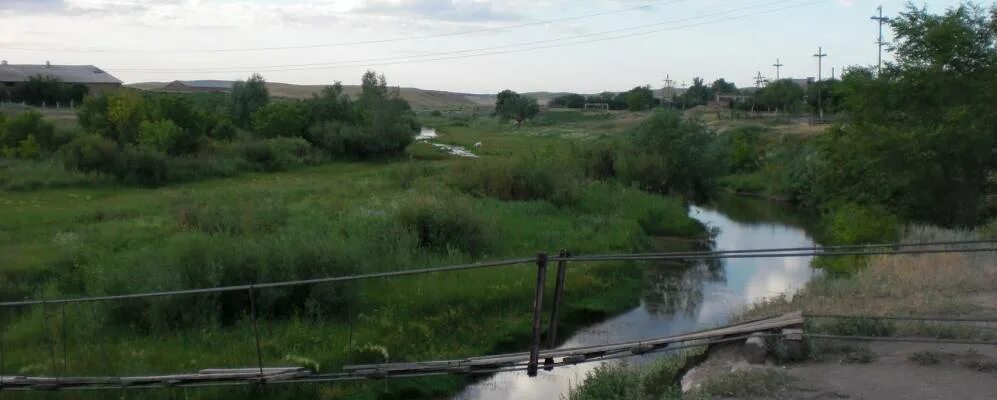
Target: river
(679, 299)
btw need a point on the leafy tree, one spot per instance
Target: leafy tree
(616, 101)
(640, 98)
(830, 94)
(246, 98)
(284, 118)
(920, 137)
(568, 101)
(721, 86)
(697, 94)
(27, 129)
(332, 105)
(512, 105)
(49, 90)
(166, 136)
(782, 95)
(90, 153)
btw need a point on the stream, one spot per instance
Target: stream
(678, 299)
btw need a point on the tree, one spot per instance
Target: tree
(247, 97)
(332, 104)
(721, 86)
(283, 118)
(698, 94)
(919, 138)
(568, 101)
(511, 105)
(640, 98)
(782, 95)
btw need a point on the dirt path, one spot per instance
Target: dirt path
(953, 373)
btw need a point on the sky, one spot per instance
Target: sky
(470, 46)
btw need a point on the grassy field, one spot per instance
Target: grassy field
(87, 236)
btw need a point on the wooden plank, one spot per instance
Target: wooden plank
(767, 324)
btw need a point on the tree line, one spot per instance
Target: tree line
(153, 138)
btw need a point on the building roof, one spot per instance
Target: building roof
(65, 73)
(206, 84)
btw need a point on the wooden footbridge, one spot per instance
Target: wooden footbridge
(787, 326)
(783, 325)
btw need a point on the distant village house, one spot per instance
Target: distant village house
(95, 79)
(198, 87)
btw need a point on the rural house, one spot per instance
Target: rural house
(95, 79)
(198, 86)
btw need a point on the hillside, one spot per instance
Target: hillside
(418, 98)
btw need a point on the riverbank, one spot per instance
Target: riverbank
(928, 285)
(342, 218)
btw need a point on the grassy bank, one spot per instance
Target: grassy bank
(954, 284)
(95, 238)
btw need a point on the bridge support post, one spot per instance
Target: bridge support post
(555, 313)
(538, 302)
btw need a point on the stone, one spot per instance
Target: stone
(755, 349)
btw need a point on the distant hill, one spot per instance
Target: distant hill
(419, 99)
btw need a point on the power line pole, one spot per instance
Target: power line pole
(778, 65)
(668, 88)
(759, 79)
(820, 65)
(881, 20)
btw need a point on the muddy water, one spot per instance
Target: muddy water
(427, 134)
(679, 299)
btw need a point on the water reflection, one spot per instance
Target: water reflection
(682, 297)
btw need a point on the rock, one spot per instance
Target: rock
(755, 349)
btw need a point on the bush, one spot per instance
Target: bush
(443, 225)
(280, 154)
(287, 119)
(855, 224)
(90, 153)
(142, 165)
(522, 178)
(27, 133)
(262, 213)
(167, 137)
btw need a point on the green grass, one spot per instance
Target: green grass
(91, 238)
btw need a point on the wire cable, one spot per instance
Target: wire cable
(281, 67)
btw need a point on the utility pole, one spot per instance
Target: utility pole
(683, 95)
(778, 65)
(881, 20)
(759, 79)
(668, 86)
(820, 65)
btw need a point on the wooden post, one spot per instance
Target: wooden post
(555, 313)
(256, 330)
(538, 302)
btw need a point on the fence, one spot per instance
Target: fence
(260, 373)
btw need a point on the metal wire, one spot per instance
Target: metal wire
(901, 318)
(898, 339)
(714, 256)
(218, 289)
(722, 254)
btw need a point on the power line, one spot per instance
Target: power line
(362, 42)
(705, 255)
(403, 59)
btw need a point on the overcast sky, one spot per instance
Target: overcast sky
(454, 45)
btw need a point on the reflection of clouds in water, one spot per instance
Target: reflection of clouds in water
(678, 298)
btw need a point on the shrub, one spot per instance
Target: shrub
(443, 225)
(280, 153)
(521, 178)
(90, 153)
(223, 130)
(288, 119)
(167, 137)
(855, 224)
(142, 165)
(27, 133)
(257, 214)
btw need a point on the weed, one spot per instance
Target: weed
(928, 357)
(752, 382)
